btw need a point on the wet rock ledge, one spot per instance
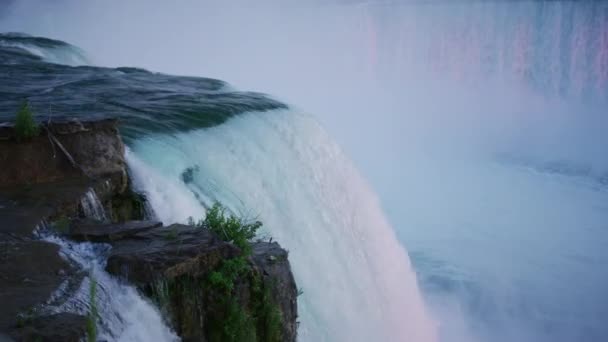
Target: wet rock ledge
(72, 179)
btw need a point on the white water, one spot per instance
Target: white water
(282, 168)
(505, 253)
(69, 56)
(91, 206)
(124, 315)
(422, 97)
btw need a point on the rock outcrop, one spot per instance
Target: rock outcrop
(44, 179)
(173, 265)
(69, 157)
(273, 265)
(96, 232)
(30, 272)
(64, 150)
(209, 289)
(167, 253)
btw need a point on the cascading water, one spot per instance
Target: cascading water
(277, 165)
(49, 50)
(282, 168)
(481, 124)
(91, 206)
(557, 48)
(123, 314)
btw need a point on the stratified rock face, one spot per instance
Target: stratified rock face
(173, 265)
(96, 148)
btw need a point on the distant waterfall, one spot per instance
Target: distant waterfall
(558, 48)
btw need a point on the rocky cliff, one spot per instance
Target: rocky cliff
(64, 150)
(54, 177)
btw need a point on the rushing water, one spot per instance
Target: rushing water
(282, 168)
(279, 166)
(480, 124)
(123, 314)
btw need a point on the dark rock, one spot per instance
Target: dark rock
(173, 266)
(38, 181)
(168, 252)
(273, 264)
(23, 208)
(46, 180)
(29, 274)
(95, 146)
(189, 173)
(62, 327)
(127, 206)
(87, 231)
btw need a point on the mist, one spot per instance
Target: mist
(364, 69)
(361, 68)
(426, 99)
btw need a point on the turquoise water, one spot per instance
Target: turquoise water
(480, 126)
(504, 252)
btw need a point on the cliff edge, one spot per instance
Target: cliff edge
(71, 181)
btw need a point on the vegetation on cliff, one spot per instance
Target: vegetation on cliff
(25, 125)
(211, 279)
(229, 228)
(237, 299)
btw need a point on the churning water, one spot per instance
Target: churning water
(480, 125)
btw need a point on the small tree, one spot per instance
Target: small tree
(25, 125)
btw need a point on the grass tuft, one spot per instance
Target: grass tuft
(229, 227)
(25, 125)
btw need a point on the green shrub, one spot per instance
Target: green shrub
(262, 321)
(225, 276)
(229, 227)
(238, 325)
(25, 125)
(268, 315)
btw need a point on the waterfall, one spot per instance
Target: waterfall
(124, 315)
(283, 169)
